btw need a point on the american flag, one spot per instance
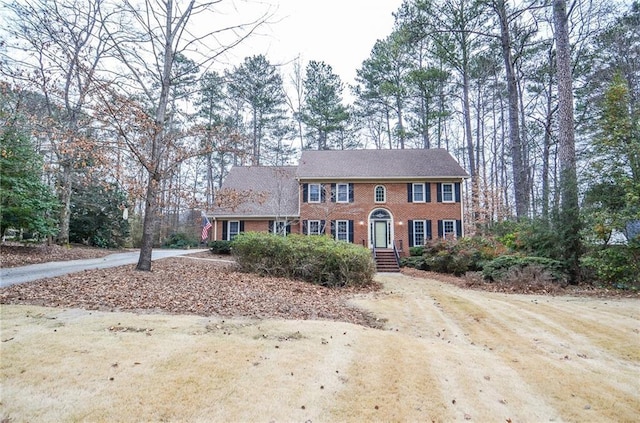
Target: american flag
(206, 225)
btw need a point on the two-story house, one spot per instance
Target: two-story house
(382, 199)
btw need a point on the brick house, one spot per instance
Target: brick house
(382, 199)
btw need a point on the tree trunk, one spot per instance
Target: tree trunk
(519, 169)
(569, 214)
(65, 201)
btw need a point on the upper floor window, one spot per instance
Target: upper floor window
(314, 193)
(342, 193)
(380, 194)
(447, 193)
(418, 193)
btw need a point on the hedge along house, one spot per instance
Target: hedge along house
(386, 200)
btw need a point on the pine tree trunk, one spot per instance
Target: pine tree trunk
(569, 213)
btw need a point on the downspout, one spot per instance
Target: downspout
(215, 229)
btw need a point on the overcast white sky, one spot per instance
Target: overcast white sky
(340, 33)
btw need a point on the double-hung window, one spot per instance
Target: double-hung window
(449, 229)
(314, 193)
(342, 230)
(418, 232)
(342, 193)
(418, 193)
(314, 227)
(234, 229)
(448, 195)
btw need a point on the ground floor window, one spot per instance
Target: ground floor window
(449, 229)
(419, 232)
(234, 229)
(342, 230)
(313, 227)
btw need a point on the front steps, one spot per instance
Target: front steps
(386, 261)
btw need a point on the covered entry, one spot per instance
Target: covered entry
(380, 229)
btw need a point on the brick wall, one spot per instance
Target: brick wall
(396, 204)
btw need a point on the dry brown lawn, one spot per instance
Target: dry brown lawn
(444, 354)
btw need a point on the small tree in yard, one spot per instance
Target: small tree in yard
(25, 202)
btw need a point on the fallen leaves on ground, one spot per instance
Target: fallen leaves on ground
(14, 254)
(182, 285)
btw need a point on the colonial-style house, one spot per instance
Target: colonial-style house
(386, 200)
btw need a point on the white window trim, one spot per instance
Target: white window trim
(447, 235)
(346, 187)
(424, 193)
(453, 192)
(280, 227)
(384, 194)
(229, 238)
(319, 193)
(346, 232)
(309, 227)
(424, 233)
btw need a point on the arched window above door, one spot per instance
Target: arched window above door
(380, 194)
(380, 214)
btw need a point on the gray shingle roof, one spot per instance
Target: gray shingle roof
(277, 184)
(379, 164)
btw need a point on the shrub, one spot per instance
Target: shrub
(180, 240)
(316, 259)
(220, 247)
(416, 251)
(456, 256)
(617, 266)
(414, 262)
(507, 266)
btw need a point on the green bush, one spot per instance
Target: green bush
(316, 259)
(220, 247)
(455, 256)
(180, 240)
(500, 267)
(617, 266)
(416, 251)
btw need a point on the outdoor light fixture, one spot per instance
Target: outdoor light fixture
(361, 222)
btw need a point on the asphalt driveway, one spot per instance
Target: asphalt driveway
(14, 275)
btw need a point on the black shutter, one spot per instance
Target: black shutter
(439, 192)
(427, 192)
(305, 193)
(288, 227)
(410, 192)
(272, 226)
(304, 227)
(350, 231)
(333, 229)
(225, 232)
(458, 228)
(457, 190)
(333, 193)
(323, 193)
(410, 225)
(427, 223)
(241, 226)
(322, 226)
(351, 194)
(440, 229)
